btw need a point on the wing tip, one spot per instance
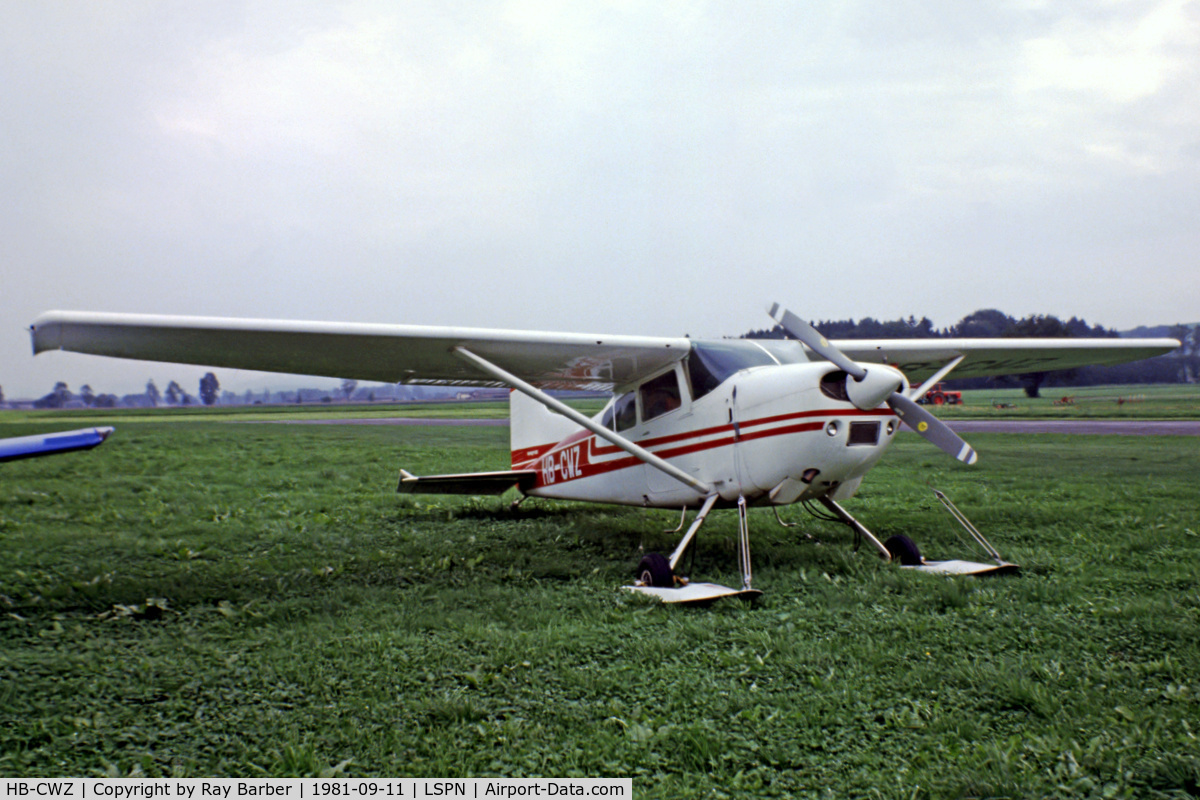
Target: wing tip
(40, 336)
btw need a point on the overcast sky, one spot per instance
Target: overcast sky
(615, 167)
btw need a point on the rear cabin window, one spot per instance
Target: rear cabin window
(622, 414)
(659, 395)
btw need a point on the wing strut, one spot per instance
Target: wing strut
(573, 415)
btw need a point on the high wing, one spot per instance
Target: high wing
(427, 354)
(918, 359)
(387, 353)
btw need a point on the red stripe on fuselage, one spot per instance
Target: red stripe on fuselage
(729, 434)
(658, 441)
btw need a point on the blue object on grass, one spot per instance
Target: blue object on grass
(45, 444)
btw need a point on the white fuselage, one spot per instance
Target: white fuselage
(768, 433)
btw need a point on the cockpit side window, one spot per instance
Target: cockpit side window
(701, 375)
(622, 414)
(659, 395)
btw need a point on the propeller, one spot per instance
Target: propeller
(868, 388)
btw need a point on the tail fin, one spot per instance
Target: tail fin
(534, 428)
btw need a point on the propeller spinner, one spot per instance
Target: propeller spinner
(868, 388)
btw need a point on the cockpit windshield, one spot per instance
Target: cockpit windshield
(711, 362)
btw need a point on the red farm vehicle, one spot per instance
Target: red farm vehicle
(940, 396)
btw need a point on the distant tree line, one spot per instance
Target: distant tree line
(1181, 366)
(210, 393)
(62, 396)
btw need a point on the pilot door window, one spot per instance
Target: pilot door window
(659, 395)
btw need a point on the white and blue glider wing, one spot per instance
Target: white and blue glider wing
(46, 444)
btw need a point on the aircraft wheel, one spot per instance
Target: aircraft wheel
(904, 550)
(655, 570)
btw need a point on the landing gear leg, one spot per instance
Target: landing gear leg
(656, 575)
(659, 571)
(743, 538)
(744, 544)
(856, 526)
(682, 547)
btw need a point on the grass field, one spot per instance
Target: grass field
(197, 598)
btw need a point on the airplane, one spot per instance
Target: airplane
(47, 444)
(692, 423)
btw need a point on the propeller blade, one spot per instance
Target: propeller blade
(932, 428)
(799, 329)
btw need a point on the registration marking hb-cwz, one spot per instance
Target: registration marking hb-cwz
(563, 465)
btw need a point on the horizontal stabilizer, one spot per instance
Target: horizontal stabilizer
(467, 482)
(45, 444)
